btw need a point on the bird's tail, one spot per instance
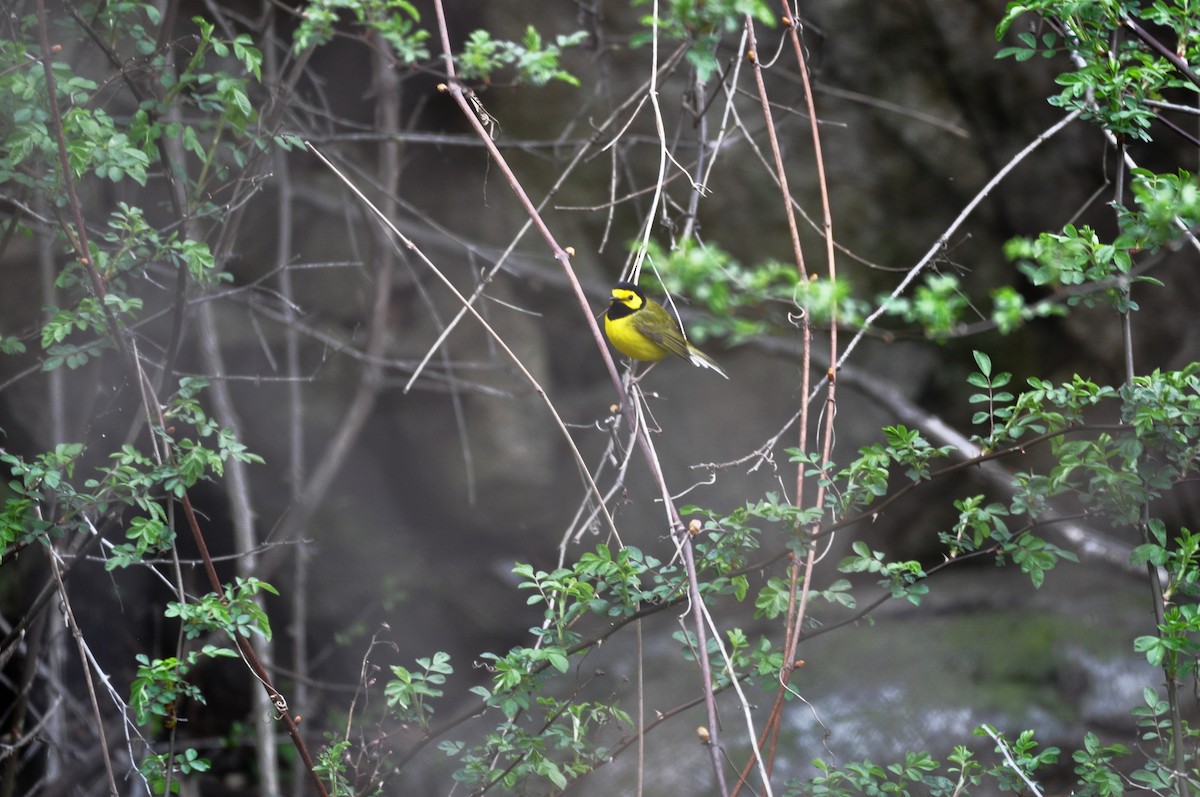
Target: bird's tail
(702, 360)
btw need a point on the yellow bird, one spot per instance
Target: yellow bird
(640, 328)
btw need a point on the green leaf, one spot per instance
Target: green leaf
(983, 361)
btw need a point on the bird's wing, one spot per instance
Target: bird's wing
(668, 336)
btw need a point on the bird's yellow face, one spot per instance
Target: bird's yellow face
(625, 301)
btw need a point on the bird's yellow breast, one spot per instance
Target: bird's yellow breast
(625, 336)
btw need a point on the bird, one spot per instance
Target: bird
(640, 328)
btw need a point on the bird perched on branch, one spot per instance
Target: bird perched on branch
(640, 328)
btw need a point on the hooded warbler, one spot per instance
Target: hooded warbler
(640, 328)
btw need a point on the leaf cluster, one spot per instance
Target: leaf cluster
(1108, 75)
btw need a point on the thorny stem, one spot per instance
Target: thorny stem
(80, 242)
(83, 661)
(776, 152)
(79, 239)
(564, 173)
(771, 728)
(940, 244)
(248, 654)
(1159, 598)
(678, 531)
(800, 585)
(831, 394)
(1179, 775)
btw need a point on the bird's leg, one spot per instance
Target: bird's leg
(635, 378)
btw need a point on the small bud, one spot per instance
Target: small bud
(570, 250)
(703, 735)
(694, 527)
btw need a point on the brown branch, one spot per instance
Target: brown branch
(175, 191)
(1172, 57)
(85, 665)
(800, 585)
(249, 655)
(80, 241)
(459, 94)
(831, 273)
